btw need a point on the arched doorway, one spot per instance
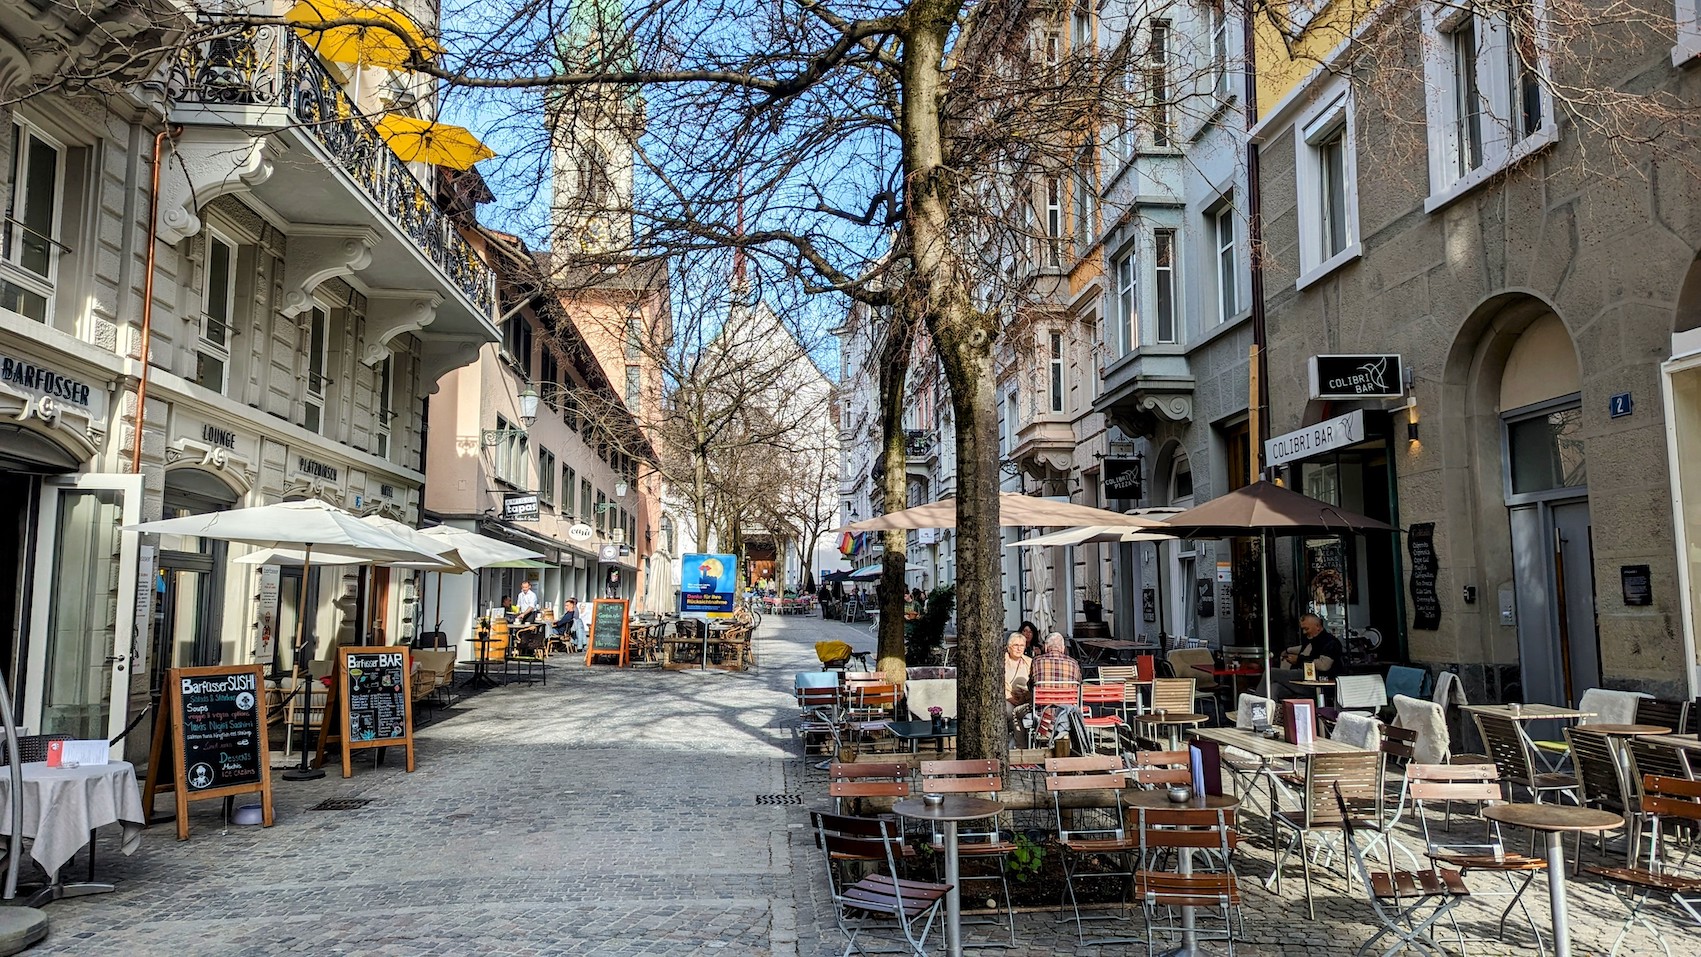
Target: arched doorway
(189, 579)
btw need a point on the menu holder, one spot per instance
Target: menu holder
(1301, 716)
(210, 740)
(1207, 766)
(1311, 671)
(370, 705)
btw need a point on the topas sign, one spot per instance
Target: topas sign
(1357, 377)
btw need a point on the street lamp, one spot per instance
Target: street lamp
(528, 418)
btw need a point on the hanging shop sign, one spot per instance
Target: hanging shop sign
(1336, 433)
(580, 532)
(1357, 377)
(1122, 479)
(520, 507)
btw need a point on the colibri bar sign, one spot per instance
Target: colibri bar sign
(1357, 377)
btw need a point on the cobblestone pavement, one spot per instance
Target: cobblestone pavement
(613, 812)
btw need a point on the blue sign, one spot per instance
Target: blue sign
(1620, 405)
(707, 585)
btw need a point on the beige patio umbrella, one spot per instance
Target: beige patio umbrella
(1013, 510)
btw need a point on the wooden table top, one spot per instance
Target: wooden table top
(1554, 817)
(1152, 717)
(1158, 800)
(1314, 683)
(1266, 747)
(1688, 742)
(955, 807)
(1528, 712)
(1626, 730)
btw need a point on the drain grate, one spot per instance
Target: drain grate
(341, 804)
(779, 799)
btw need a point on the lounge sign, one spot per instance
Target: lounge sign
(1357, 377)
(1338, 432)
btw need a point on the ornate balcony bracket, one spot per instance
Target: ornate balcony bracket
(207, 163)
(392, 312)
(318, 255)
(1174, 406)
(439, 354)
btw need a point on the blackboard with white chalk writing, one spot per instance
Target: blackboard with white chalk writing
(371, 703)
(1426, 599)
(210, 739)
(609, 631)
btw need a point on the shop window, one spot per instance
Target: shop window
(385, 407)
(212, 349)
(318, 341)
(546, 476)
(29, 255)
(1546, 451)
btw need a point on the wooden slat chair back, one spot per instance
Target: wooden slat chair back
(866, 779)
(1399, 897)
(962, 777)
(1509, 753)
(1659, 711)
(1185, 831)
(1086, 832)
(873, 700)
(1596, 768)
(1649, 757)
(1056, 693)
(1477, 784)
(910, 906)
(1128, 675)
(1356, 777)
(1162, 768)
(982, 838)
(1173, 695)
(1663, 798)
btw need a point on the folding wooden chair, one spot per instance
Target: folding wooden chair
(1399, 897)
(1357, 775)
(975, 840)
(1102, 700)
(867, 779)
(1511, 755)
(1086, 832)
(877, 899)
(1670, 798)
(1047, 697)
(1185, 831)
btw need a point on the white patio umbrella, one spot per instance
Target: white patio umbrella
(477, 551)
(658, 584)
(868, 573)
(1091, 534)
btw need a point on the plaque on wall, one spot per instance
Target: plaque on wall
(1635, 582)
(1426, 600)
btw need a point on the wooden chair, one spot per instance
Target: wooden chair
(1161, 768)
(1668, 714)
(877, 899)
(820, 705)
(1183, 662)
(1477, 784)
(525, 655)
(858, 780)
(1185, 831)
(1650, 758)
(1669, 799)
(868, 708)
(1597, 772)
(1357, 776)
(975, 840)
(1128, 675)
(1399, 897)
(1087, 832)
(1172, 707)
(1511, 756)
(1048, 696)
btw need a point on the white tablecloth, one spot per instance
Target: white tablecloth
(62, 805)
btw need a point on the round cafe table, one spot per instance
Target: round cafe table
(1555, 821)
(1316, 685)
(955, 807)
(1158, 800)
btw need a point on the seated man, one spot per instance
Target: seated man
(509, 612)
(568, 625)
(1054, 664)
(1320, 648)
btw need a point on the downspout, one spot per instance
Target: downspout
(148, 297)
(1260, 414)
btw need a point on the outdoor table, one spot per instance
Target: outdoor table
(1158, 800)
(1316, 685)
(1554, 821)
(481, 665)
(916, 732)
(1525, 713)
(1173, 722)
(63, 806)
(1102, 648)
(955, 807)
(1269, 750)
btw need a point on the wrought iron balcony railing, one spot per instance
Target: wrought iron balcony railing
(251, 66)
(917, 443)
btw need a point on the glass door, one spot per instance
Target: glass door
(83, 616)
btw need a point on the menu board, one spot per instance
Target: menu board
(1426, 601)
(608, 631)
(210, 739)
(371, 703)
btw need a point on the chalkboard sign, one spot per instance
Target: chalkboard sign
(210, 740)
(371, 703)
(609, 631)
(1426, 601)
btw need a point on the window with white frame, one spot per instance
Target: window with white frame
(218, 298)
(1488, 105)
(29, 254)
(585, 500)
(1081, 28)
(517, 342)
(1127, 312)
(385, 408)
(1327, 186)
(1053, 221)
(1053, 47)
(318, 341)
(1217, 14)
(1688, 35)
(569, 481)
(512, 460)
(1226, 263)
(546, 476)
(1086, 193)
(1157, 81)
(1059, 380)
(1163, 283)
(1126, 139)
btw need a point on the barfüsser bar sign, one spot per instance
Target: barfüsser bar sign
(1357, 377)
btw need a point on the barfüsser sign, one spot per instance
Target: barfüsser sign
(1122, 479)
(1357, 377)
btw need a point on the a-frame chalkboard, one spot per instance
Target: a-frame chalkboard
(610, 631)
(210, 740)
(370, 705)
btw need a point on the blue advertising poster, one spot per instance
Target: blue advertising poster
(707, 585)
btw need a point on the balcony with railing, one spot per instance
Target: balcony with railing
(259, 108)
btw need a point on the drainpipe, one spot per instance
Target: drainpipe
(1260, 413)
(148, 297)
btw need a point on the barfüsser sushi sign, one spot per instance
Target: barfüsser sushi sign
(708, 585)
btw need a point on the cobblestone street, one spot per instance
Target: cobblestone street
(613, 812)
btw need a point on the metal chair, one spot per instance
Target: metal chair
(1650, 758)
(1474, 784)
(820, 705)
(1051, 695)
(1635, 886)
(1666, 714)
(1357, 776)
(1160, 892)
(1510, 753)
(1399, 897)
(1086, 832)
(974, 840)
(1101, 700)
(876, 899)
(1598, 776)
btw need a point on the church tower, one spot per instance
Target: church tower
(594, 133)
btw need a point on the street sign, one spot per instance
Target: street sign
(1357, 377)
(519, 507)
(609, 553)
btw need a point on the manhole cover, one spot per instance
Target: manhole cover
(779, 799)
(341, 804)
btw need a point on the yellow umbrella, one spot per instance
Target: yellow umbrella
(426, 141)
(386, 38)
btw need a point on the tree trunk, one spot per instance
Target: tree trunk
(894, 369)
